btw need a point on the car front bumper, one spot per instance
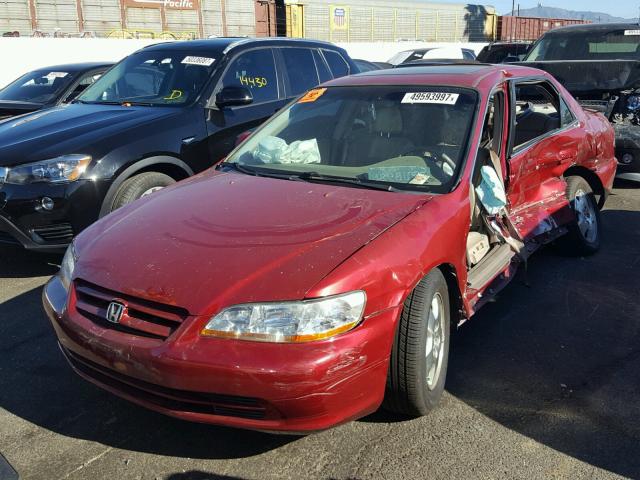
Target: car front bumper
(24, 221)
(293, 388)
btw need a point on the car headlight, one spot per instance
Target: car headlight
(68, 266)
(633, 103)
(66, 168)
(303, 321)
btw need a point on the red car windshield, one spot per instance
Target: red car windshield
(411, 138)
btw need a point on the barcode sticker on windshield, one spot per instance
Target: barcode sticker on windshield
(632, 32)
(202, 61)
(54, 75)
(431, 97)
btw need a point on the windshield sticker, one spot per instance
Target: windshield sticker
(175, 95)
(399, 174)
(431, 97)
(632, 32)
(202, 61)
(312, 95)
(420, 179)
(54, 75)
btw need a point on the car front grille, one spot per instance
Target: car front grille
(58, 233)
(144, 318)
(170, 398)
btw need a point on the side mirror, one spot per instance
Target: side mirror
(511, 59)
(233, 97)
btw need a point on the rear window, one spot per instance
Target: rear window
(613, 45)
(301, 69)
(323, 70)
(338, 65)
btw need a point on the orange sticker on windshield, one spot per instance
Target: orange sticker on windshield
(312, 95)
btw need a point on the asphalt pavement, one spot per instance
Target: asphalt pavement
(543, 383)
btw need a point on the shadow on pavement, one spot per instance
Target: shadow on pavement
(558, 362)
(19, 263)
(200, 475)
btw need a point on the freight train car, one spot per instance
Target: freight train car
(343, 21)
(384, 21)
(528, 28)
(349, 20)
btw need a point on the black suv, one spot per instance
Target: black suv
(162, 114)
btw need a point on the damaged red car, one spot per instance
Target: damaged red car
(317, 272)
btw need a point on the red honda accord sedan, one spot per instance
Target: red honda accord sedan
(315, 274)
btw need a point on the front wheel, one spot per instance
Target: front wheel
(140, 186)
(583, 237)
(420, 353)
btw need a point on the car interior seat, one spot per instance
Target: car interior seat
(385, 138)
(532, 124)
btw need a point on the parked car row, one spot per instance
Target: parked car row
(315, 272)
(162, 114)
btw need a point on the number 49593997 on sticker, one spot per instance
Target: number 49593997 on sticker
(431, 97)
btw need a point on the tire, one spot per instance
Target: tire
(138, 186)
(409, 390)
(583, 237)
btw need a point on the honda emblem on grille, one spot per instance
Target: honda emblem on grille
(115, 312)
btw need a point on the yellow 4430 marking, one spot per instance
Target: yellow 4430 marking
(257, 82)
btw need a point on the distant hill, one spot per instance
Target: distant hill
(553, 12)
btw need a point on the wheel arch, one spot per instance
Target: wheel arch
(457, 309)
(171, 166)
(592, 179)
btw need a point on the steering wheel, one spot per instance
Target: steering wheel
(443, 157)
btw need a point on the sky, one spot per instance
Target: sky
(620, 8)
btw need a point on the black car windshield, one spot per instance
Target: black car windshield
(153, 78)
(40, 86)
(407, 138)
(620, 44)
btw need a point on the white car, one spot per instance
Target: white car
(433, 53)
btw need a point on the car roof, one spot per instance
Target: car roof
(77, 67)
(458, 75)
(222, 45)
(594, 27)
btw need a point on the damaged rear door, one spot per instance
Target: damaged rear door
(546, 138)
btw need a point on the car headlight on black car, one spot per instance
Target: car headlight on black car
(66, 168)
(289, 322)
(67, 266)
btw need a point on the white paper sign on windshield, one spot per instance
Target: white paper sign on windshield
(431, 97)
(202, 61)
(54, 75)
(632, 32)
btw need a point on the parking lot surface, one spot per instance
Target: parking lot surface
(544, 383)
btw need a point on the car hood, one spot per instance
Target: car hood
(225, 238)
(583, 77)
(74, 128)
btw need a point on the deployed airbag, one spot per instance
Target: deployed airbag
(276, 150)
(491, 192)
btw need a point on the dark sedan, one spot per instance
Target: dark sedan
(48, 87)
